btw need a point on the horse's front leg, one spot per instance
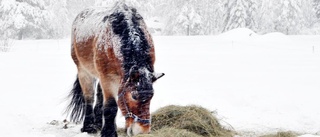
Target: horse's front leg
(110, 111)
(110, 107)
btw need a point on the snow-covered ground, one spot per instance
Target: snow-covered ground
(257, 83)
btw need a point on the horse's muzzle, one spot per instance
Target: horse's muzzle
(137, 128)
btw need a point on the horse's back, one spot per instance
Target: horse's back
(111, 37)
(89, 25)
(90, 22)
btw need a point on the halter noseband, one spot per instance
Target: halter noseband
(137, 119)
(129, 113)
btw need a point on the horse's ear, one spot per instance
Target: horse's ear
(156, 76)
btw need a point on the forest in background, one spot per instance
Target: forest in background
(50, 19)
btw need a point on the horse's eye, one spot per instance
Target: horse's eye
(134, 95)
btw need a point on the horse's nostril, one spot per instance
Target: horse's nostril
(129, 131)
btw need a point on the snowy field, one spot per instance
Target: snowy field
(258, 84)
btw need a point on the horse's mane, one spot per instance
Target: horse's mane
(126, 23)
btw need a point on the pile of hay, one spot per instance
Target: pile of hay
(186, 121)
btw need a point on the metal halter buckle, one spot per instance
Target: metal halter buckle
(129, 114)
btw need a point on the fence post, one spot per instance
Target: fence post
(313, 49)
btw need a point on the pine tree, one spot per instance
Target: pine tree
(59, 25)
(182, 18)
(7, 18)
(251, 10)
(317, 7)
(239, 14)
(189, 19)
(309, 14)
(24, 18)
(264, 16)
(290, 16)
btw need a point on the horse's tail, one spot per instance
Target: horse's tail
(77, 104)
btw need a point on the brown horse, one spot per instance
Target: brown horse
(112, 47)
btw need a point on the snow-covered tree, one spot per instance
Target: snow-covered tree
(22, 19)
(251, 6)
(293, 15)
(239, 14)
(181, 18)
(288, 12)
(262, 13)
(33, 19)
(308, 13)
(7, 18)
(59, 22)
(212, 13)
(317, 7)
(188, 19)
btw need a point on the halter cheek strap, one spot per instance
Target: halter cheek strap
(130, 114)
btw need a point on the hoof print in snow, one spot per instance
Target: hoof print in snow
(54, 122)
(65, 126)
(65, 123)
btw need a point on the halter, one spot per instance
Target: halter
(129, 113)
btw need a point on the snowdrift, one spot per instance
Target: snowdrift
(239, 32)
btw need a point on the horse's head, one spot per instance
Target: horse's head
(134, 100)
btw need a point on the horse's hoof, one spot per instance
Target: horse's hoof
(98, 126)
(90, 130)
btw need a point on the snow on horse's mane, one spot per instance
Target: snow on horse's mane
(92, 21)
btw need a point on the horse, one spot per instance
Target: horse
(114, 54)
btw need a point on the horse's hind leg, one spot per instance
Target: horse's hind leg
(87, 84)
(98, 108)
